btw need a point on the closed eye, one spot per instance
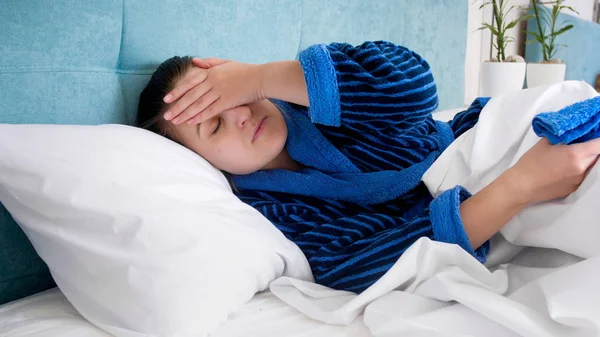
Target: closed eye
(218, 126)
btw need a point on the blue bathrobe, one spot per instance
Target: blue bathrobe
(366, 140)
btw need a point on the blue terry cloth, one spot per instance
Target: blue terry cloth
(331, 174)
(445, 214)
(365, 141)
(576, 123)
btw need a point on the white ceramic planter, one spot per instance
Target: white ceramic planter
(539, 74)
(498, 78)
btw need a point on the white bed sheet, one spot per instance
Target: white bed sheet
(49, 314)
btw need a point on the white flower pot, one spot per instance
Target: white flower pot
(498, 78)
(539, 74)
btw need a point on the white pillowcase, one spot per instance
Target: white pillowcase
(143, 236)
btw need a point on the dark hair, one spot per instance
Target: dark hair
(151, 105)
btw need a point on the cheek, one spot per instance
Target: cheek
(230, 156)
(279, 133)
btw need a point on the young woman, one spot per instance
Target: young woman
(332, 147)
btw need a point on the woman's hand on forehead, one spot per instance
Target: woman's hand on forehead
(219, 86)
(191, 78)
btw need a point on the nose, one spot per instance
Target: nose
(238, 115)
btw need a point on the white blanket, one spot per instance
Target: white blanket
(542, 277)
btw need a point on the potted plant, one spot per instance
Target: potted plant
(550, 70)
(502, 74)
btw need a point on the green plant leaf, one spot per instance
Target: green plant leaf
(535, 35)
(511, 24)
(555, 10)
(490, 27)
(497, 11)
(570, 8)
(546, 20)
(526, 17)
(562, 30)
(502, 6)
(547, 12)
(540, 40)
(509, 10)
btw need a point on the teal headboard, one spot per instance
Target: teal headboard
(582, 55)
(85, 62)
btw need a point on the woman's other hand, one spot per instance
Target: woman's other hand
(215, 86)
(548, 172)
(545, 172)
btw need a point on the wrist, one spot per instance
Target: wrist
(268, 79)
(486, 212)
(261, 71)
(283, 80)
(515, 187)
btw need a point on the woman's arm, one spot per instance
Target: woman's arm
(486, 212)
(217, 85)
(375, 84)
(545, 172)
(351, 252)
(284, 80)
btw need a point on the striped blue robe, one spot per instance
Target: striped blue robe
(366, 141)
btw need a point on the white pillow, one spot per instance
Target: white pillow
(143, 236)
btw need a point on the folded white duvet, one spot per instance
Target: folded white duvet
(543, 274)
(502, 135)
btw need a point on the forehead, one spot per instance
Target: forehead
(182, 131)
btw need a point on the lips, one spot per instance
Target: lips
(259, 129)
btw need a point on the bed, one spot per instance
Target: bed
(86, 63)
(433, 290)
(49, 314)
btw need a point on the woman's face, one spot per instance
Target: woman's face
(241, 140)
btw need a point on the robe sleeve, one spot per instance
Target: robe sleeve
(368, 86)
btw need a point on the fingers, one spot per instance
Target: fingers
(214, 109)
(583, 156)
(208, 63)
(186, 85)
(197, 109)
(589, 148)
(184, 103)
(591, 166)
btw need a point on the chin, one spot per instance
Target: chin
(243, 171)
